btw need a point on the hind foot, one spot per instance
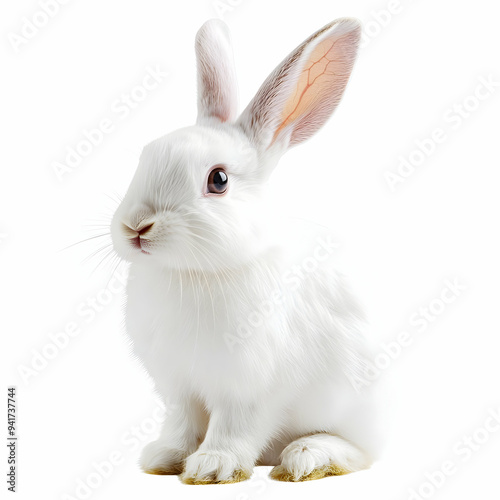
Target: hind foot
(318, 456)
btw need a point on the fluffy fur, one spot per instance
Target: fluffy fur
(279, 393)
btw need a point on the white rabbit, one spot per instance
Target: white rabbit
(209, 257)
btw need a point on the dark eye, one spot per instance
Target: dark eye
(217, 181)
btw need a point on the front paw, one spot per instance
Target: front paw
(210, 467)
(158, 458)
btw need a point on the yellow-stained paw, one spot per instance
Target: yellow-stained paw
(237, 476)
(172, 470)
(215, 467)
(280, 473)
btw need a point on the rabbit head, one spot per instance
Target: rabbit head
(196, 200)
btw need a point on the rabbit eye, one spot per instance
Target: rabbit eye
(217, 181)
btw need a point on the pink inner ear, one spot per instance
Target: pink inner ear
(319, 86)
(214, 99)
(217, 94)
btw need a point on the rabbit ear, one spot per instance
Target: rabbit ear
(217, 89)
(303, 91)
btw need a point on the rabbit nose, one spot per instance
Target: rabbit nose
(145, 229)
(137, 231)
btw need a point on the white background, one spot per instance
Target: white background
(398, 246)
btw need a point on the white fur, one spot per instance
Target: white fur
(211, 262)
(304, 455)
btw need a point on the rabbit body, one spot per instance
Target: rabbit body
(241, 321)
(287, 377)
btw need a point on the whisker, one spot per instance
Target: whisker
(95, 252)
(83, 241)
(106, 256)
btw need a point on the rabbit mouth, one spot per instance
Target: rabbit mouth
(140, 244)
